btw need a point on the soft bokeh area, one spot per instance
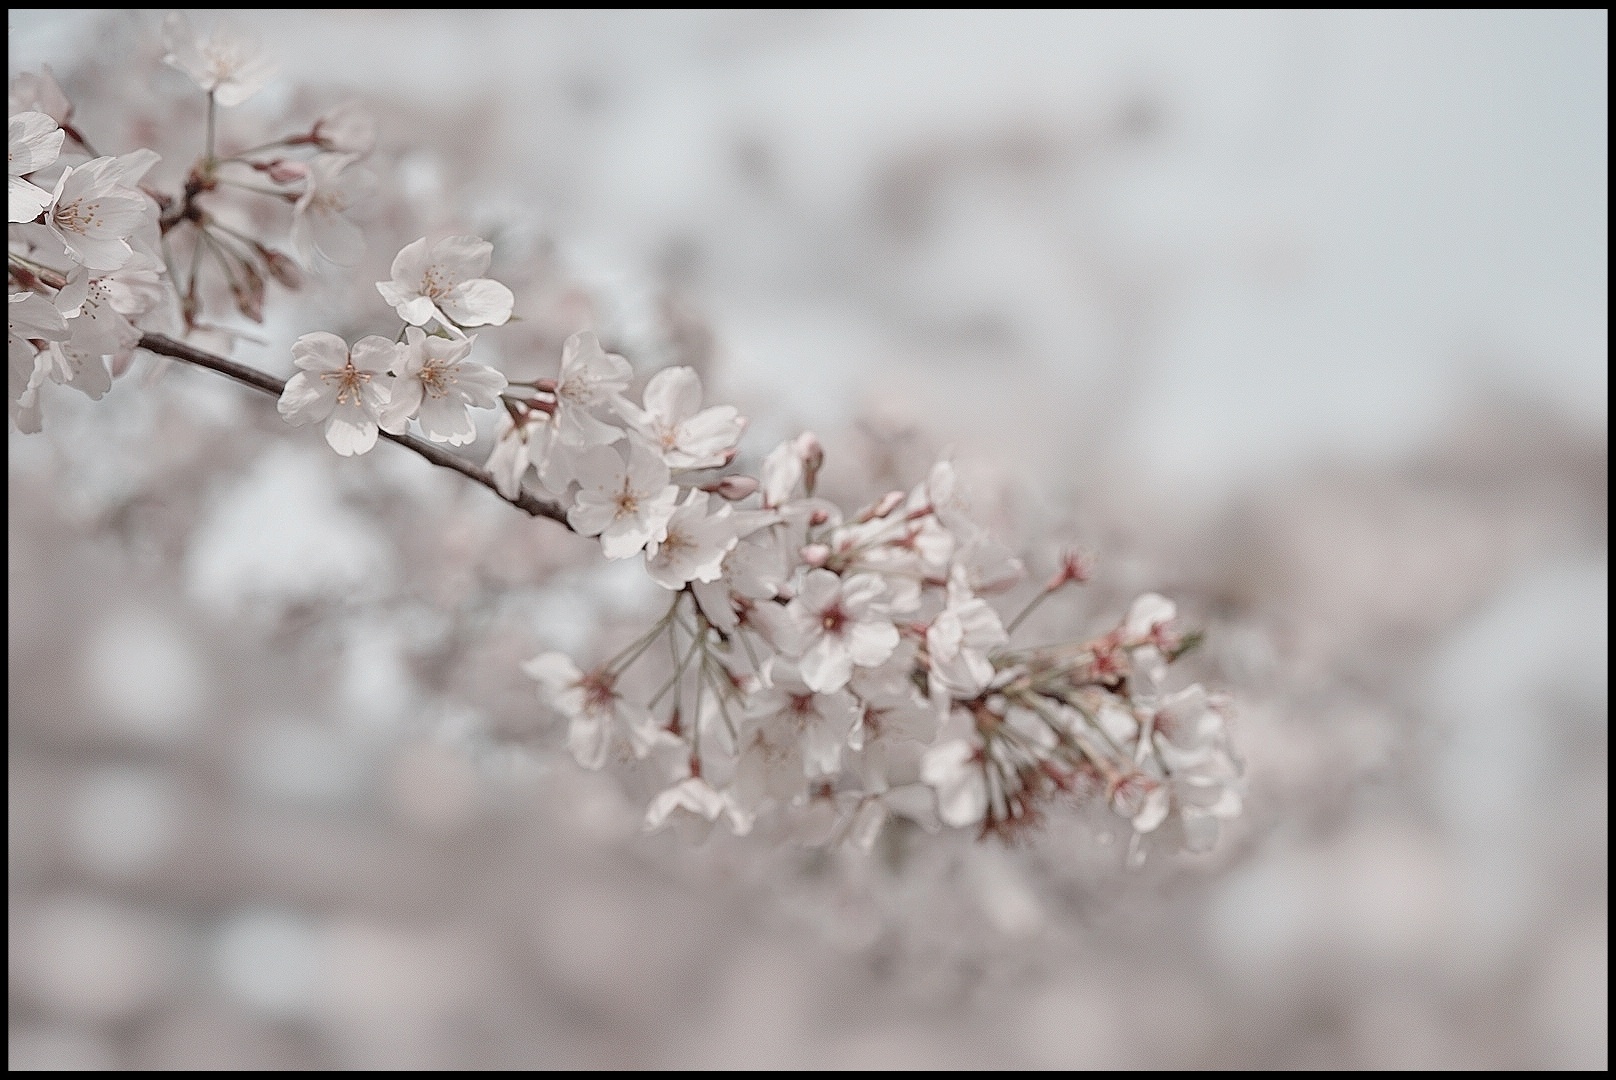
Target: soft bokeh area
(1299, 318)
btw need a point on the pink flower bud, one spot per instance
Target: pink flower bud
(812, 455)
(281, 267)
(733, 488)
(818, 518)
(815, 555)
(888, 503)
(282, 171)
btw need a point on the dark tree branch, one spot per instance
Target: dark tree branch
(437, 455)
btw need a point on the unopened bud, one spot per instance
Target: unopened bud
(282, 171)
(248, 291)
(281, 267)
(818, 518)
(888, 503)
(812, 456)
(733, 488)
(815, 555)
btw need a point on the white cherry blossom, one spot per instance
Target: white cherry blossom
(591, 379)
(435, 383)
(694, 798)
(39, 93)
(30, 318)
(95, 209)
(822, 723)
(226, 64)
(319, 225)
(673, 421)
(754, 570)
(443, 282)
(65, 363)
(95, 323)
(33, 142)
(842, 623)
(694, 545)
(961, 637)
(626, 503)
(519, 446)
(592, 705)
(345, 388)
(954, 770)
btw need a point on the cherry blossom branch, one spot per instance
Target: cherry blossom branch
(258, 380)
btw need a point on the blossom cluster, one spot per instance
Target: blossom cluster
(826, 670)
(96, 254)
(820, 671)
(82, 250)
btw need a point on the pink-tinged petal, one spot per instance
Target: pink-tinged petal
(820, 589)
(306, 399)
(638, 419)
(377, 393)
(479, 302)
(589, 737)
(579, 428)
(598, 469)
(350, 431)
(24, 201)
(646, 469)
(415, 310)
(446, 420)
(1157, 804)
(692, 795)
(673, 394)
(409, 268)
(320, 351)
(33, 142)
(860, 591)
(1148, 612)
(460, 258)
(980, 625)
(480, 384)
(403, 403)
(710, 432)
(131, 168)
(30, 315)
(870, 643)
(590, 514)
(962, 794)
(827, 666)
(336, 238)
(508, 461)
(625, 537)
(554, 671)
(822, 749)
(374, 354)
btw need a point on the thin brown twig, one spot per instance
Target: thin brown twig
(437, 455)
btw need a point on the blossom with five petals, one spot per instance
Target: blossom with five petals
(435, 383)
(673, 421)
(226, 64)
(841, 623)
(626, 503)
(443, 282)
(347, 388)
